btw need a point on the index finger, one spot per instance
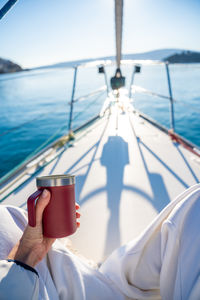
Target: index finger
(41, 203)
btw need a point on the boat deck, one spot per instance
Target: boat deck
(126, 171)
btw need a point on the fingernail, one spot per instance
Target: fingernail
(44, 193)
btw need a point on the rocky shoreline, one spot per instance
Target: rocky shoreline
(7, 66)
(184, 57)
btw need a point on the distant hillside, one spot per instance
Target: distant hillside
(7, 66)
(150, 55)
(153, 55)
(184, 57)
(171, 55)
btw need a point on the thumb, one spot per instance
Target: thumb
(42, 202)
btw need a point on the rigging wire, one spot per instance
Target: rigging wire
(18, 126)
(101, 91)
(6, 8)
(188, 106)
(88, 106)
(61, 128)
(25, 123)
(58, 131)
(32, 154)
(51, 138)
(140, 90)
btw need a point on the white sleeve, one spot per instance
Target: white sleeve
(17, 283)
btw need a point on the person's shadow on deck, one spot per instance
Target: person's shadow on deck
(114, 158)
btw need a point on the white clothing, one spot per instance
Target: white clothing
(62, 275)
(163, 263)
(17, 283)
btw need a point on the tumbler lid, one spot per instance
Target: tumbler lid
(55, 180)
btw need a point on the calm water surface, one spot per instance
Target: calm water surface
(34, 105)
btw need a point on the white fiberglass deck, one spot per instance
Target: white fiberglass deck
(124, 177)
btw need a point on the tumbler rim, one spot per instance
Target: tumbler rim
(55, 180)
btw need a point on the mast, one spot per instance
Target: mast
(118, 29)
(118, 80)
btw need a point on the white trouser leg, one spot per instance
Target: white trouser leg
(164, 262)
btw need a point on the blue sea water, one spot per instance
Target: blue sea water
(34, 105)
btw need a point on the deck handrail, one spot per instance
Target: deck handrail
(80, 98)
(170, 97)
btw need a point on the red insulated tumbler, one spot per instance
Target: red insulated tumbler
(59, 217)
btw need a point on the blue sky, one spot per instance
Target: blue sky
(40, 32)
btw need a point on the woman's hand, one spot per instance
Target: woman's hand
(33, 246)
